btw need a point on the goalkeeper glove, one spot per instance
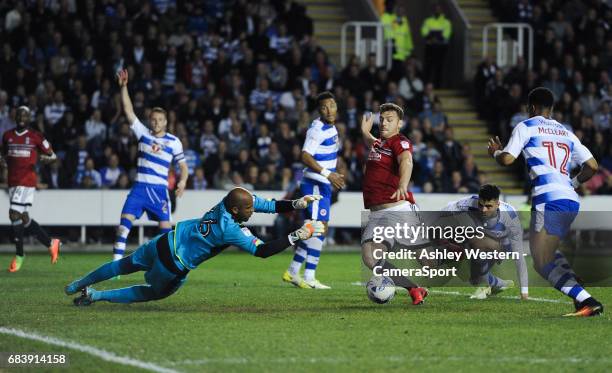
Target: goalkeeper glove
(311, 228)
(302, 203)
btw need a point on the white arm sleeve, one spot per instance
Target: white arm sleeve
(580, 153)
(138, 128)
(518, 140)
(177, 152)
(313, 140)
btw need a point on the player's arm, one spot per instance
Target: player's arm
(245, 240)
(271, 206)
(516, 243)
(367, 121)
(182, 184)
(179, 157)
(312, 142)
(405, 170)
(48, 155)
(589, 167)
(501, 157)
(128, 108)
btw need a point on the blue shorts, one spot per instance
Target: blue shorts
(318, 210)
(557, 217)
(161, 279)
(152, 199)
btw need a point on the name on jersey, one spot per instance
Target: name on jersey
(552, 131)
(19, 153)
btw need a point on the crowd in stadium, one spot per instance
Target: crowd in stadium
(239, 89)
(573, 59)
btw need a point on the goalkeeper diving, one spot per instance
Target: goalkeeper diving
(168, 258)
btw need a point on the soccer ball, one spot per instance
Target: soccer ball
(380, 289)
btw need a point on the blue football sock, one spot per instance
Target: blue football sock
(104, 272)
(137, 293)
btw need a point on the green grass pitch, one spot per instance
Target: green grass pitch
(235, 314)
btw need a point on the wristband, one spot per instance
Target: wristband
(496, 153)
(325, 172)
(575, 182)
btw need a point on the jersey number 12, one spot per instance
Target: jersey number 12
(550, 146)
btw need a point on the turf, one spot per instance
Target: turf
(234, 314)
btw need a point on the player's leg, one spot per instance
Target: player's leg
(18, 233)
(319, 211)
(292, 274)
(141, 260)
(133, 208)
(487, 282)
(123, 231)
(161, 282)
(548, 227)
(33, 229)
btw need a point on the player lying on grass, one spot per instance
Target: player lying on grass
(503, 231)
(550, 150)
(168, 258)
(385, 190)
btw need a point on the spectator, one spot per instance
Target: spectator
(198, 181)
(436, 30)
(89, 177)
(111, 173)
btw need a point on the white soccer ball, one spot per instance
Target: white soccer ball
(380, 289)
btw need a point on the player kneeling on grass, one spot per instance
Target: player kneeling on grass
(168, 258)
(503, 232)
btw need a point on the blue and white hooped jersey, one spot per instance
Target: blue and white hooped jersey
(322, 143)
(549, 150)
(504, 226)
(155, 155)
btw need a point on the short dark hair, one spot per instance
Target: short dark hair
(489, 192)
(389, 106)
(157, 109)
(325, 96)
(542, 97)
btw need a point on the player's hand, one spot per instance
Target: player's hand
(494, 145)
(122, 78)
(302, 203)
(311, 228)
(337, 180)
(180, 188)
(48, 158)
(401, 193)
(524, 296)
(367, 121)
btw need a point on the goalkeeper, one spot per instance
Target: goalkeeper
(168, 258)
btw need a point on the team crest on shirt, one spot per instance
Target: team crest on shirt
(323, 212)
(27, 141)
(156, 148)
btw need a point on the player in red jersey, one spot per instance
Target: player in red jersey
(385, 190)
(20, 148)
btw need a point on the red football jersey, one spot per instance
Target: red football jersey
(21, 154)
(382, 176)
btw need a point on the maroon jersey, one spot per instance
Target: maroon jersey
(21, 154)
(382, 175)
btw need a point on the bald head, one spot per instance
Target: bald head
(239, 202)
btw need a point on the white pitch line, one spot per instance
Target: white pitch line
(460, 294)
(102, 354)
(396, 359)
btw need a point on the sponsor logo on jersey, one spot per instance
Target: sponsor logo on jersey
(374, 156)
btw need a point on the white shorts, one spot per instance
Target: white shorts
(21, 198)
(404, 214)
